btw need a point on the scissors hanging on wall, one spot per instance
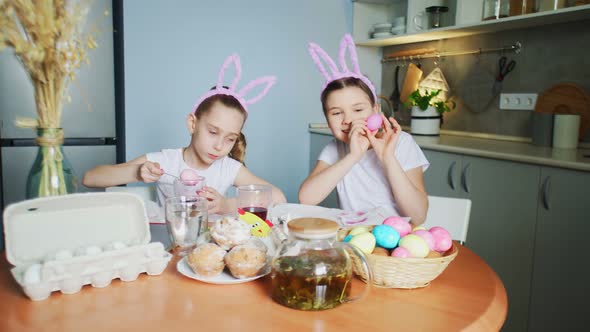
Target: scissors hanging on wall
(503, 70)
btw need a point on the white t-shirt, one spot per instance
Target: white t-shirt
(365, 186)
(220, 175)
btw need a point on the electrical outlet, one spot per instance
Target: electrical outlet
(518, 101)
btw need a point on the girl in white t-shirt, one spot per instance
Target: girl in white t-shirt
(369, 169)
(216, 150)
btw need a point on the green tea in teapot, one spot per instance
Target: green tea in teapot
(318, 280)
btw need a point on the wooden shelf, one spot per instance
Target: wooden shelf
(569, 14)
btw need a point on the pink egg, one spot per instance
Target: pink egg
(400, 224)
(400, 252)
(442, 238)
(374, 122)
(188, 175)
(427, 236)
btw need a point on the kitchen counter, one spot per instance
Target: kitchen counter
(514, 150)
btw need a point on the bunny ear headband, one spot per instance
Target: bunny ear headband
(317, 52)
(219, 89)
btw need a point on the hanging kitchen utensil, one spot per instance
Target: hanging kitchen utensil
(504, 68)
(394, 98)
(477, 84)
(413, 76)
(386, 106)
(433, 82)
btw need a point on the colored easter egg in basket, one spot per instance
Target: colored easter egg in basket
(358, 230)
(434, 254)
(442, 238)
(427, 236)
(380, 251)
(401, 252)
(364, 241)
(347, 238)
(400, 224)
(374, 122)
(417, 228)
(415, 245)
(385, 236)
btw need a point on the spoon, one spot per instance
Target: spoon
(174, 176)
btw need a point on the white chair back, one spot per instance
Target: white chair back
(449, 213)
(147, 193)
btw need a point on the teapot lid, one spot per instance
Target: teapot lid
(313, 228)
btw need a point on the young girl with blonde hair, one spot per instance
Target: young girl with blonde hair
(216, 150)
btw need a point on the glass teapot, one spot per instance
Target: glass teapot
(313, 271)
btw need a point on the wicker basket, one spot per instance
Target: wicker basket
(394, 272)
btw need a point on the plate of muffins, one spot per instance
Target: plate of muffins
(228, 254)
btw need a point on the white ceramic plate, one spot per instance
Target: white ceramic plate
(223, 279)
(382, 35)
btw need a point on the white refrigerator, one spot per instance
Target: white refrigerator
(89, 120)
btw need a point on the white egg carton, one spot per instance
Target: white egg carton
(65, 242)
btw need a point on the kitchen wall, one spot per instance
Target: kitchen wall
(551, 54)
(173, 52)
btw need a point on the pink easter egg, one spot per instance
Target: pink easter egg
(188, 175)
(400, 224)
(374, 122)
(442, 238)
(401, 252)
(427, 236)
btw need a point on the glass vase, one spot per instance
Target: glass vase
(51, 173)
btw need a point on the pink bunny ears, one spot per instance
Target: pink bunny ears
(269, 81)
(317, 52)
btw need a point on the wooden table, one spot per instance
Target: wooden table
(467, 296)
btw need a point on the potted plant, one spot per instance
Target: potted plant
(427, 112)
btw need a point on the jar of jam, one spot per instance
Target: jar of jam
(495, 9)
(312, 270)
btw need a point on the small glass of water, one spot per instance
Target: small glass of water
(186, 219)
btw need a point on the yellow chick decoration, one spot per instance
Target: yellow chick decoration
(258, 227)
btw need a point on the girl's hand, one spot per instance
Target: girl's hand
(216, 200)
(384, 146)
(150, 172)
(357, 138)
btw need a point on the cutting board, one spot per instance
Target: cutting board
(413, 76)
(566, 98)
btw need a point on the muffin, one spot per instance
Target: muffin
(245, 261)
(207, 260)
(230, 232)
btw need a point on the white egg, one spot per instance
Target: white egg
(93, 250)
(33, 274)
(117, 245)
(63, 254)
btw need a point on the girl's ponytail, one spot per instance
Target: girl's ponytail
(238, 152)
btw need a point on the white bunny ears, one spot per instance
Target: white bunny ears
(317, 52)
(231, 90)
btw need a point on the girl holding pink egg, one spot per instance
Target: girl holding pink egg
(216, 150)
(368, 167)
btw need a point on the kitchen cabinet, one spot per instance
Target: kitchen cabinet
(368, 12)
(561, 272)
(503, 216)
(317, 144)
